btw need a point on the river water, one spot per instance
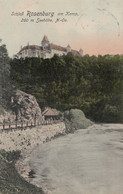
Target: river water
(90, 161)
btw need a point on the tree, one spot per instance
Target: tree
(92, 84)
(6, 88)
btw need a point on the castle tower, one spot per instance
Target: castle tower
(68, 48)
(45, 42)
(81, 52)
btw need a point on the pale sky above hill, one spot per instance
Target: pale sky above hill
(96, 27)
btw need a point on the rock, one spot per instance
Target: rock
(26, 107)
(7, 115)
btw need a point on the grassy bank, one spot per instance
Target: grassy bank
(75, 119)
(10, 181)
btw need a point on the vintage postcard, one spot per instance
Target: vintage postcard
(61, 96)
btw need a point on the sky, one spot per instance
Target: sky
(96, 26)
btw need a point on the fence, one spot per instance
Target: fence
(9, 126)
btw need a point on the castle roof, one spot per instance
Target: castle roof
(75, 52)
(32, 47)
(56, 47)
(45, 39)
(60, 48)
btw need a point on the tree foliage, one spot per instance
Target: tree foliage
(10, 180)
(6, 88)
(92, 84)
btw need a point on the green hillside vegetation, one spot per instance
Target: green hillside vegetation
(92, 84)
(75, 119)
(6, 87)
(10, 181)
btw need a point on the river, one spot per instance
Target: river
(90, 161)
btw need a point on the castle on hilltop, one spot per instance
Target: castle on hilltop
(46, 50)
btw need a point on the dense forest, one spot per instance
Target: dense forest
(92, 84)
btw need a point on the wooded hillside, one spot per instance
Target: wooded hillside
(92, 84)
(6, 87)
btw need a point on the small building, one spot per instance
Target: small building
(50, 114)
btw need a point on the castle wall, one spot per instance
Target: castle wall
(30, 53)
(45, 51)
(57, 52)
(29, 138)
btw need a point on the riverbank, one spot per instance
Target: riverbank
(10, 180)
(26, 141)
